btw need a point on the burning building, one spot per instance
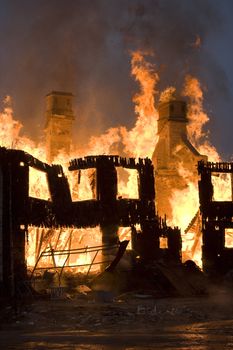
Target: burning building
(67, 218)
(23, 215)
(43, 232)
(173, 151)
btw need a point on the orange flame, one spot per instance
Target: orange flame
(197, 119)
(140, 141)
(185, 203)
(168, 94)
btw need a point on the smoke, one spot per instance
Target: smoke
(83, 47)
(178, 33)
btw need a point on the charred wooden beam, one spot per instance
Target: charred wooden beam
(216, 219)
(18, 210)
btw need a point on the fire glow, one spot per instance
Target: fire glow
(140, 141)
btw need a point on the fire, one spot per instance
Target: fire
(144, 134)
(185, 203)
(140, 141)
(168, 94)
(38, 184)
(186, 199)
(197, 119)
(82, 184)
(106, 143)
(127, 182)
(50, 248)
(10, 133)
(10, 128)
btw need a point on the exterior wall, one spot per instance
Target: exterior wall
(172, 151)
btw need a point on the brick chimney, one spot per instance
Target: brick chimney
(59, 121)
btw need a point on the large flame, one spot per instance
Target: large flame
(140, 141)
(144, 134)
(185, 203)
(10, 133)
(197, 119)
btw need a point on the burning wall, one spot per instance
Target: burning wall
(217, 225)
(19, 210)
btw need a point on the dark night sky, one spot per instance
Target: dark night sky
(83, 46)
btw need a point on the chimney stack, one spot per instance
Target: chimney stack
(59, 122)
(172, 149)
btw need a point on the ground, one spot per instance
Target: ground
(133, 321)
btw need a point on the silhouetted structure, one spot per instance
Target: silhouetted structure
(18, 210)
(217, 216)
